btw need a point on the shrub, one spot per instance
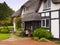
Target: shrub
(58, 42)
(18, 22)
(4, 31)
(10, 27)
(35, 38)
(20, 29)
(17, 33)
(20, 32)
(40, 33)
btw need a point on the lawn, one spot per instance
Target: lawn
(4, 33)
(4, 36)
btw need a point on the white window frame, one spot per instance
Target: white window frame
(45, 23)
(42, 23)
(24, 9)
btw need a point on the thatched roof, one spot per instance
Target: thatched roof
(35, 6)
(17, 13)
(27, 4)
(31, 17)
(56, 1)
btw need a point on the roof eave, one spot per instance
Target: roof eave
(56, 1)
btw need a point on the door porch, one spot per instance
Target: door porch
(32, 25)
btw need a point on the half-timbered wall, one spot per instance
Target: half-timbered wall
(53, 17)
(55, 23)
(54, 6)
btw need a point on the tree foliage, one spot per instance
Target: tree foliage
(5, 13)
(18, 22)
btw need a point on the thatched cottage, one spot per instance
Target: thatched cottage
(40, 14)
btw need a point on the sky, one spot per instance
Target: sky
(14, 4)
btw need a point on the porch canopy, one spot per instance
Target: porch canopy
(31, 17)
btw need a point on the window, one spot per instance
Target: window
(24, 9)
(45, 23)
(45, 14)
(47, 4)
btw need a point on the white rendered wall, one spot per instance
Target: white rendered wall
(55, 24)
(55, 28)
(41, 8)
(54, 6)
(22, 15)
(55, 14)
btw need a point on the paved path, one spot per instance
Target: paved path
(23, 41)
(12, 38)
(26, 42)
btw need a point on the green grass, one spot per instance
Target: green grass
(4, 36)
(4, 33)
(44, 40)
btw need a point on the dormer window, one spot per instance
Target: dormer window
(25, 9)
(47, 4)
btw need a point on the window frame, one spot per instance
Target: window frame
(45, 23)
(24, 9)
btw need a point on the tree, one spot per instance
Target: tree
(5, 14)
